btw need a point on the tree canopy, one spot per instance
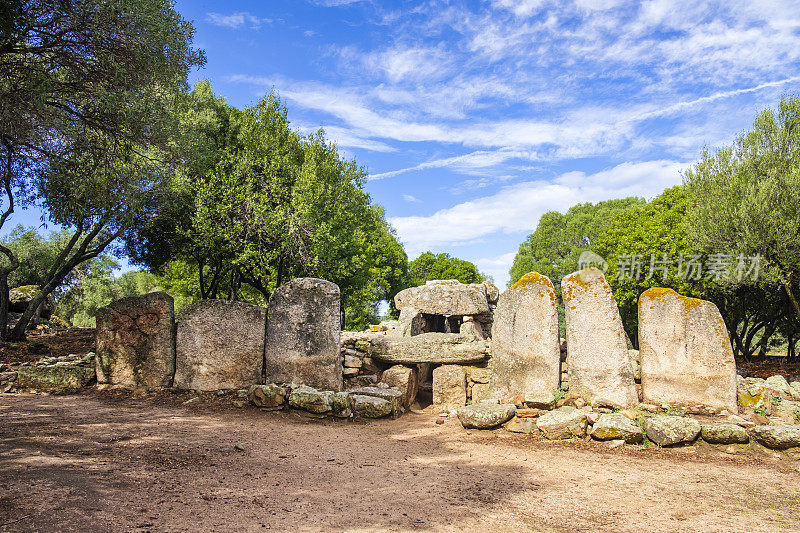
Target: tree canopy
(430, 266)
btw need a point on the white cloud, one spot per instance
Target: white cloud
(236, 20)
(410, 198)
(497, 267)
(466, 163)
(518, 207)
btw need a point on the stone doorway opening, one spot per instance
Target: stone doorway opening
(441, 323)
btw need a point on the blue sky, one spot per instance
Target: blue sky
(474, 118)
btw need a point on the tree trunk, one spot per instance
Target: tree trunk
(787, 286)
(4, 301)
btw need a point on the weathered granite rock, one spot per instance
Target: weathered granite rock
(613, 426)
(685, 352)
(484, 415)
(311, 400)
(444, 297)
(391, 395)
(666, 430)
(136, 341)
(778, 383)
(472, 328)
(303, 334)
(269, 396)
(522, 425)
(480, 392)
(478, 374)
(599, 366)
(55, 378)
(636, 364)
(777, 437)
(724, 433)
(441, 348)
(405, 379)
(370, 406)
(542, 400)
(220, 345)
(753, 394)
(526, 357)
(449, 387)
(563, 423)
(411, 322)
(20, 297)
(341, 405)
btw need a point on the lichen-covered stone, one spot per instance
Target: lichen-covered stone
(55, 378)
(752, 394)
(484, 415)
(613, 426)
(449, 387)
(370, 406)
(438, 348)
(391, 395)
(311, 400)
(480, 392)
(522, 425)
(599, 365)
(269, 396)
(444, 297)
(136, 341)
(219, 345)
(685, 351)
(724, 433)
(405, 379)
(303, 334)
(563, 423)
(341, 405)
(778, 383)
(20, 297)
(666, 430)
(526, 356)
(411, 322)
(777, 437)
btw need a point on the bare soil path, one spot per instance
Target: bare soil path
(97, 462)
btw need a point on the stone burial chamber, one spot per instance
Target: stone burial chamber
(447, 306)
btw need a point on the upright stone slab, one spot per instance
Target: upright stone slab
(449, 387)
(526, 353)
(220, 345)
(599, 367)
(411, 322)
(303, 334)
(136, 341)
(685, 351)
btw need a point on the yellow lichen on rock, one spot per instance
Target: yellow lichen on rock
(532, 280)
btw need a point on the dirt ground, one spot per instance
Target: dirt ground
(106, 460)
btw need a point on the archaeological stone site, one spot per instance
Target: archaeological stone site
(462, 351)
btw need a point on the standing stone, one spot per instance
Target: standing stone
(405, 379)
(136, 341)
(220, 345)
(685, 351)
(599, 367)
(449, 387)
(303, 334)
(411, 322)
(526, 357)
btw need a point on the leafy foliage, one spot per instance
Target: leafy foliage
(429, 266)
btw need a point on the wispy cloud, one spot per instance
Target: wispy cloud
(411, 198)
(238, 20)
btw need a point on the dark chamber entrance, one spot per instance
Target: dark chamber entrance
(441, 323)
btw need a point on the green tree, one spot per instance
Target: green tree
(746, 197)
(86, 99)
(554, 248)
(429, 266)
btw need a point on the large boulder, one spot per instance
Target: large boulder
(599, 365)
(449, 387)
(267, 396)
(445, 297)
(404, 378)
(438, 348)
(370, 406)
(563, 423)
(311, 400)
(219, 345)
(20, 297)
(526, 354)
(485, 415)
(685, 352)
(777, 437)
(303, 334)
(391, 395)
(136, 341)
(615, 426)
(724, 433)
(666, 430)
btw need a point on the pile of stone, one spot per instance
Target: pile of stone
(772, 397)
(61, 375)
(358, 368)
